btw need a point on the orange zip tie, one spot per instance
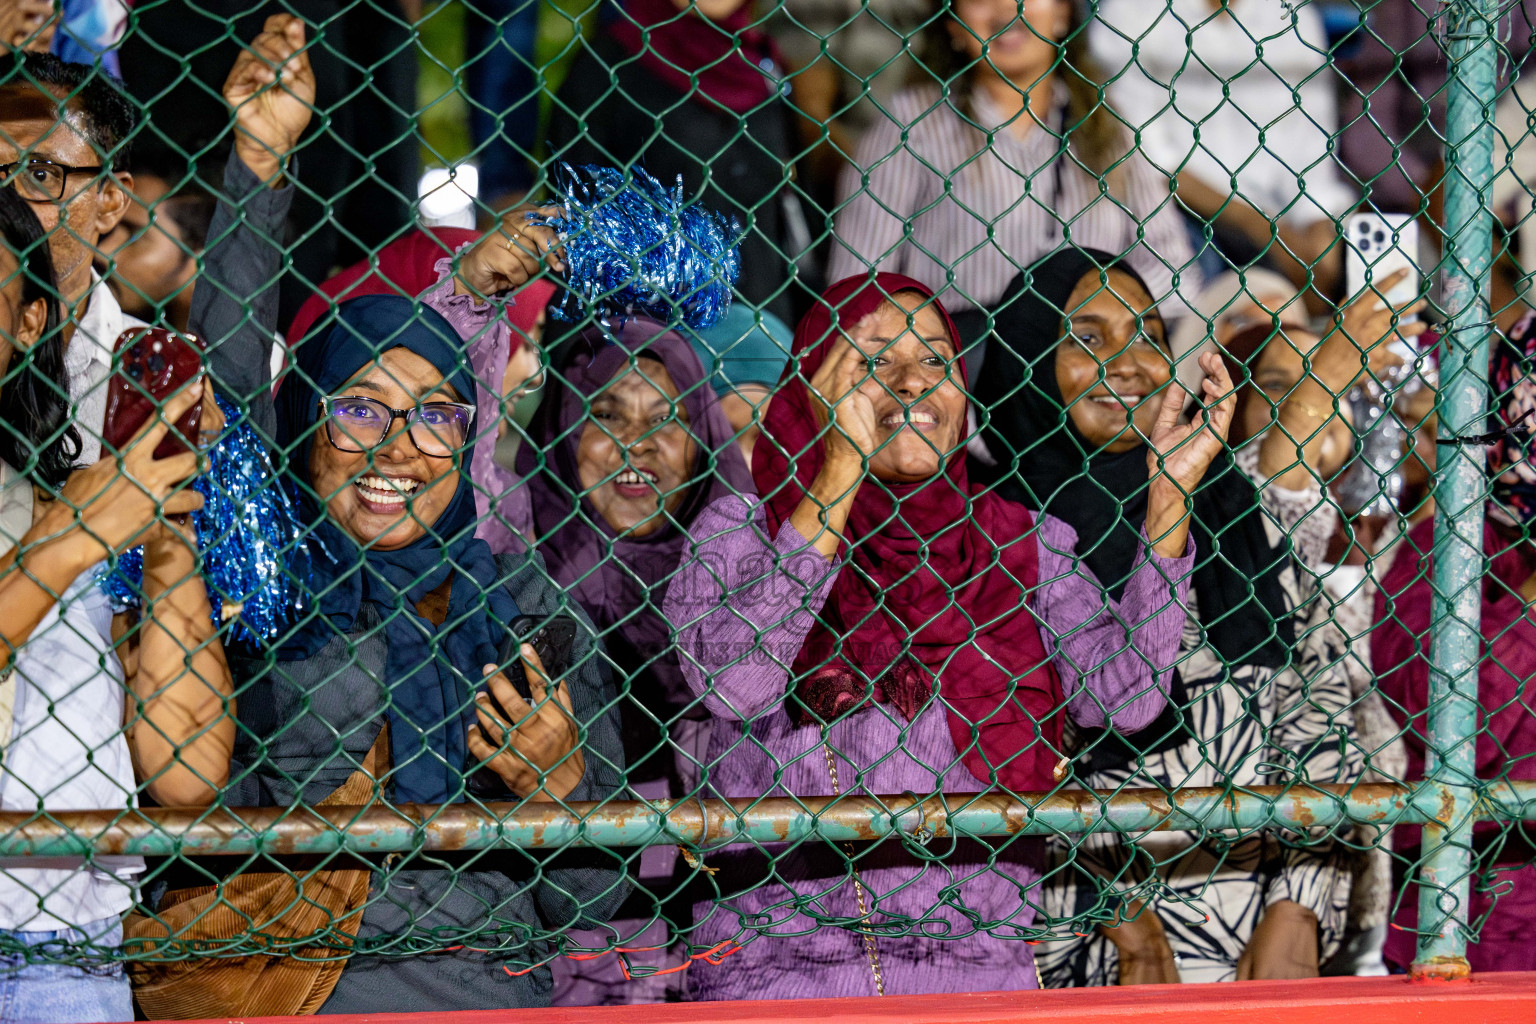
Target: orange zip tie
(619, 949)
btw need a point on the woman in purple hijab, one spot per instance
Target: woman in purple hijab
(627, 447)
(634, 445)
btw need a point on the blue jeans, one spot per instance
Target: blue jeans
(86, 990)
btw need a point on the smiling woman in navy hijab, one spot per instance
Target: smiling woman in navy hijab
(407, 610)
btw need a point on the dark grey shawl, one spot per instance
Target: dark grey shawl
(306, 726)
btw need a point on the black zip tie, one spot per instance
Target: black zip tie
(1483, 440)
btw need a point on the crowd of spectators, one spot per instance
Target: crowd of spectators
(1038, 491)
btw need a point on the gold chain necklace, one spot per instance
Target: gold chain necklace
(871, 951)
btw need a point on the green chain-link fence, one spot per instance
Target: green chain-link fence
(700, 822)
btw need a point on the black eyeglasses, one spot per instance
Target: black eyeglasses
(437, 429)
(43, 181)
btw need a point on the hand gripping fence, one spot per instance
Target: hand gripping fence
(692, 827)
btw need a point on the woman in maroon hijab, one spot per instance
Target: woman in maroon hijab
(1504, 890)
(880, 625)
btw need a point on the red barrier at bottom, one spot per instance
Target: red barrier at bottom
(1486, 999)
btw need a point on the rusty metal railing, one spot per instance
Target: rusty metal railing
(158, 832)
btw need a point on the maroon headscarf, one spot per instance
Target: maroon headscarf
(933, 600)
(620, 581)
(737, 66)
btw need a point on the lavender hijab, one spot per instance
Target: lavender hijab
(620, 581)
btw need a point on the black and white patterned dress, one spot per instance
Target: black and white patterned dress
(1252, 726)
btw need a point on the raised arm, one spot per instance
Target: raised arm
(271, 91)
(1310, 439)
(101, 509)
(1178, 454)
(234, 307)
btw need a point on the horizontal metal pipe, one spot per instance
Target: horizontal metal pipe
(710, 824)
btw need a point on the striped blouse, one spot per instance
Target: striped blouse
(926, 190)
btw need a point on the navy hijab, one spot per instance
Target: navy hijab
(431, 672)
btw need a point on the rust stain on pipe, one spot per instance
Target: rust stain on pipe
(1447, 812)
(1441, 968)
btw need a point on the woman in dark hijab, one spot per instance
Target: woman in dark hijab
(381, 691)
(1075, 350)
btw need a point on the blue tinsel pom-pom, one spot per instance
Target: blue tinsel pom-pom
(632, 247)
(248, 536)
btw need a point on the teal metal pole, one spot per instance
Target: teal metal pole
(709, 825)
(1460, 485)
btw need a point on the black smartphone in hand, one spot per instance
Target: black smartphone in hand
(552, 637)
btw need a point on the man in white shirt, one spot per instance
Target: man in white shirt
(67, 177)
(63, 127)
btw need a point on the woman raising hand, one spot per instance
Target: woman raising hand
(881, 624)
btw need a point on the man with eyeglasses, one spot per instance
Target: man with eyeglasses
(64, 127)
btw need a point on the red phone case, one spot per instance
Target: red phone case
(153, 363)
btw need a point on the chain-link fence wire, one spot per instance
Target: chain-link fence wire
(1220, 150)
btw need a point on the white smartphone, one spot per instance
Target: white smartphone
(1378, 244)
